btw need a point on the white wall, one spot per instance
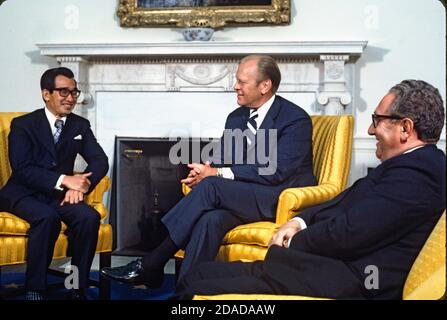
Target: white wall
(405, 40)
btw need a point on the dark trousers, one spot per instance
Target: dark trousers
(44, 217)
(199, 221)
(213, 278)
(330, 280)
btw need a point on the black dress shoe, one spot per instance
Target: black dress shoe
(134, 273)
(34, 296)
(78, 295)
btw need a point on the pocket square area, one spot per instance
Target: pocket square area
(78, 137)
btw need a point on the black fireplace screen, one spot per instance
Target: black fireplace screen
(145, 186)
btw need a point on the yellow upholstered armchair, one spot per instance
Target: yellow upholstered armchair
(13, 230)
(425, 281)
(332, 149)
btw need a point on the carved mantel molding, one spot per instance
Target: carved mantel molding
(319, 67)
(195, 49)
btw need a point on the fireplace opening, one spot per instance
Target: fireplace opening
(146, 185)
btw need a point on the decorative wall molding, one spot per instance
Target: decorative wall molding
(198, 49)
(334, 96)
(207, 66)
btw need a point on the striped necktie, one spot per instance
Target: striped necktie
(252, 126)
(59, 124)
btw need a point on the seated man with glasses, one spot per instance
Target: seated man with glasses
(43, 190)
(361, 244)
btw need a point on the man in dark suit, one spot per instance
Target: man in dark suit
(43, 190)
(361, 244)
(235, 189)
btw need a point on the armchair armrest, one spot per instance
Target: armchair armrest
(293, 200)
(185, 189)
(95, 197)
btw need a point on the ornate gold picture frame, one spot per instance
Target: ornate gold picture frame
(202, 13)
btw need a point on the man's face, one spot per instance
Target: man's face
(387, 132)
(249, 92)
(58, 105)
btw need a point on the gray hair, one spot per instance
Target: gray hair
(422, 103)
(267, 69)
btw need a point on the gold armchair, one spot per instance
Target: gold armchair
(425, 281)
(13, 230)
(332, 148)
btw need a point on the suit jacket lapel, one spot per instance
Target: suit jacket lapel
(68, 132)
(43, 133)
(269, 121)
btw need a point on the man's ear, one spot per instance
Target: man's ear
(46, 95)
(407, 127)
(266, 86)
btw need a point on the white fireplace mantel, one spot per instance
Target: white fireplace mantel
(302, 48)
(319, 67)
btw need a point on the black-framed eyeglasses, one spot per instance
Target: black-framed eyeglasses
(64, 92)
(377, 117)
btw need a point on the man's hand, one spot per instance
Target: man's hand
(284, 233)
(73, 197)
(198, 173)
(78, 182)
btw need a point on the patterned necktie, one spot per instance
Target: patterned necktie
(59, 124)
(252, 126)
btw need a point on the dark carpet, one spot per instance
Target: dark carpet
(119, 291)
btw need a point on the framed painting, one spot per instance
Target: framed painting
(202, 13)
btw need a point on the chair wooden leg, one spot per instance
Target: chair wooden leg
(105, 259)
(178, 265)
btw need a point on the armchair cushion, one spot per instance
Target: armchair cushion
(252, 233)
(12, 226)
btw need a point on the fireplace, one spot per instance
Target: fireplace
(146, 185)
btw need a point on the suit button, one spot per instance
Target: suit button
(54, 163)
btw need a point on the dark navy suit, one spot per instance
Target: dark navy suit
(37, 163)
(199, 222)
(382, 222)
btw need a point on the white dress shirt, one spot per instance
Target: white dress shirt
(52, 120)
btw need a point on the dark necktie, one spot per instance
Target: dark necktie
(252, 126)
(59, 124)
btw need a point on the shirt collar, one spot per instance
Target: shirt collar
(415, 148)
(52, 119)
(262, 110)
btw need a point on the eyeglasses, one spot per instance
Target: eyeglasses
(377, 117)
(64, 92)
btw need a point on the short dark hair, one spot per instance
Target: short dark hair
(422, 103)
(48, 79)
(267, 68)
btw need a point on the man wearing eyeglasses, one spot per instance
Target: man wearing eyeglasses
(43, 190)
(376, 227)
